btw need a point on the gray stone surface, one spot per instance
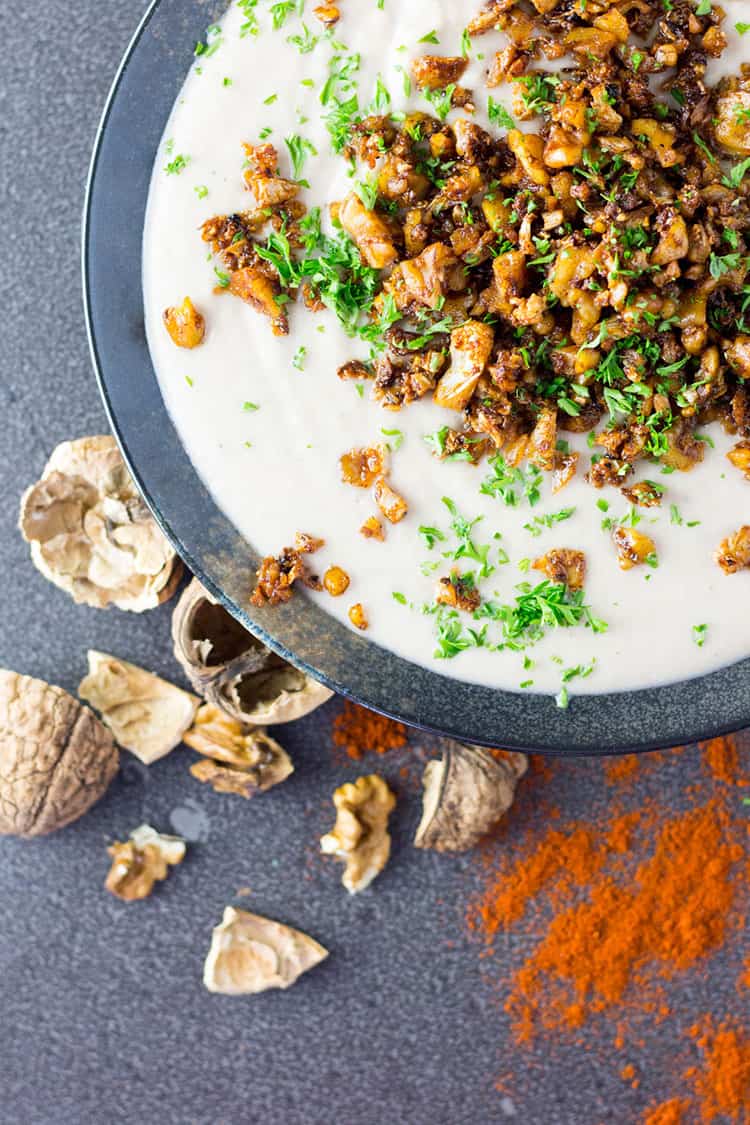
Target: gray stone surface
(104, 1019)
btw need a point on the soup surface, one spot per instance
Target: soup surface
(265, 418)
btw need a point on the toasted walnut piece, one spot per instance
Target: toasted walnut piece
(141, 862)
(360, 835)
(147, 715)
(56, 758)
(644, 493)
(362, 467)
(91, 533)
(731, 121)
(564, 470)
(372, 528)
(435, 72)
(392, 505)
(739, 455)
(734, 551)
(662, 137)
(336, 581)
(426, 279)
(251, 954)
(528, 149)
(633, 547)
(253, 286)
(369, 231)
(185, 324)
(471, 345)
(465, 794)
(738, 355)
(542, 448)
(307, 544)
(564, 566)
(262, 179)
(457, 592)
(358, 617)
(277, 575)
(233, 669)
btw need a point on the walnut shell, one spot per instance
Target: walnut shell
(233, 669)
(147, 715)
(465, 794)
(91, 533)
(251, 954)
(56, 758)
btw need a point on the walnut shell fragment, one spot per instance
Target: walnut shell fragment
(91, 533)
(251, 954)
(147, 715)
(360, 835)
(466, 792)
(235, 671)
(56, 758)
(252, 762)
(141, 862)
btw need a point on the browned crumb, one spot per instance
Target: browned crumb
(392, 505)
(362, 467)
(458, 592)
(564, 566)
(644, 493)
(358, 617)
(633, 547)
(734, 551)
(328, 14)
(185, 324)
(372, 528)
(336, 581)
(739, 455)
(435, 72)
(307, 544)
(277, 575)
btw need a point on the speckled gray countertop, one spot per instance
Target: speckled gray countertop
(104, 1018)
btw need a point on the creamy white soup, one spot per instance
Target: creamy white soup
(265, 419)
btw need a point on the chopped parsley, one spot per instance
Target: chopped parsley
(699, 634)
(499, 115)
(299, 150)
(179, 164)
(396, 438)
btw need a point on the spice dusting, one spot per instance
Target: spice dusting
(618, 907)
(358, 731)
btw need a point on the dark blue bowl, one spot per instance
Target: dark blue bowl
(144, 91)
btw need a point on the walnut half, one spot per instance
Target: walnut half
(360, 835)
(56, 758)
(142, 861)
(239, 759)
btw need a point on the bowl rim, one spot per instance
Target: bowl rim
(149, 78)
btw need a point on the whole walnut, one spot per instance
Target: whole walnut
(56, 758)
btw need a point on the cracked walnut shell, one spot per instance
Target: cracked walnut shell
(56, 758)
(235, 671)
(360, 835)
(251, 954)
(91, 533)
(142, 861)
(147, 715)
